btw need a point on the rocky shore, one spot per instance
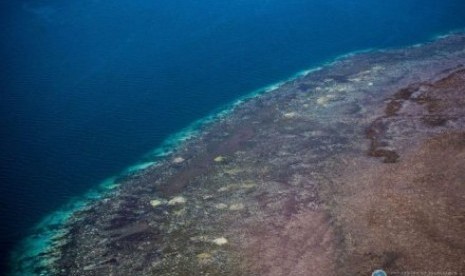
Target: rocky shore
(354, 167)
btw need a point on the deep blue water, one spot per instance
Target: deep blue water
(88, 87)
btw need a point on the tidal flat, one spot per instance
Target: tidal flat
(357, 166)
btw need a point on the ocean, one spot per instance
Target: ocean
(90, 87)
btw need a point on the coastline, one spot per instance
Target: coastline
(175, 145)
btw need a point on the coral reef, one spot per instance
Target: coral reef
(290, 184)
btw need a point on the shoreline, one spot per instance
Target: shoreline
(176, 143)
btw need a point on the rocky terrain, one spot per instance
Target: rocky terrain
(357, 166)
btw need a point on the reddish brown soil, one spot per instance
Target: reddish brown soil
(408, 216)
(302, 245)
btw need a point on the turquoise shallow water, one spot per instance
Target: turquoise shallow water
(90, 87)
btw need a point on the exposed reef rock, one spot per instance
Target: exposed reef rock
(290, 182)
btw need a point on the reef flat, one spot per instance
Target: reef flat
(356, 166)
